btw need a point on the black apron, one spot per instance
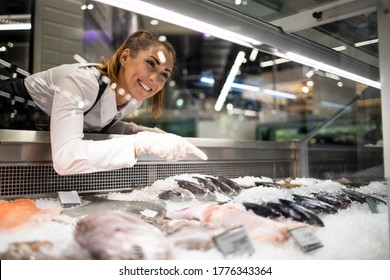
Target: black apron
(17, 109)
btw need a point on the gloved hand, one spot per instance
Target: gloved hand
(169, 146)
(132, 128)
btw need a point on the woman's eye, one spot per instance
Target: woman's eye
(151, 63)
(165, 75)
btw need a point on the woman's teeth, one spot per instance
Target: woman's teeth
(145, 86)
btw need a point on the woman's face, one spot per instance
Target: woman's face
(143, 75)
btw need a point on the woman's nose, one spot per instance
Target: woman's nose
(153, 76)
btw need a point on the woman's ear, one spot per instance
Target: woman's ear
(125, 56)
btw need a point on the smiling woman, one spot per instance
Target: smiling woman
(140, 67)
(90, 97)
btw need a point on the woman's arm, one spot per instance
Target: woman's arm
(71, 154)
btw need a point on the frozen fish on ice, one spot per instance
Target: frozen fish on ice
(116, 235)
(229, 216)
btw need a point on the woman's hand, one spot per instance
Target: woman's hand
(132, 128)
(169, 146)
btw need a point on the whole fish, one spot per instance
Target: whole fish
(229, 216)
(332, 200)
(262, 210)
(177, 195)
(361, 197)
(345, 199)
(307, 215)
(197, 189)
(93, 204)
(206, 183)
(314, 204)
(286, 211)
(268, 184)
(236, 187)
(115, 235)
(223, 187)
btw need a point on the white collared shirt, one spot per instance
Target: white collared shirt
(65, 93)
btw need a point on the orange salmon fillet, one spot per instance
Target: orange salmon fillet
(16, 212)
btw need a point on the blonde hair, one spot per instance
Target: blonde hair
(138, 41)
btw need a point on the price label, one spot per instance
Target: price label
(69, 199)
(305, 238)
(234, 241)
(149, 213)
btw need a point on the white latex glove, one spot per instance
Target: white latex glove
(169, 146)
(132, 128)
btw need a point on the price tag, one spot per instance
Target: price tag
(149, 213)
(305, 238)
(69, 199)
(372, 204)
(234, 241)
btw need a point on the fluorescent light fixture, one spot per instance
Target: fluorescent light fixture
(335, 105)
(274, 93)
(340, 48)
(364, 43)
(229, 80)
(245, 87)
(272, 62)
(331, 69)
(332, 76)
(206, 80)
(310, 73)
(253, 54)
(15, 26)
(278, 94)
(153, 11)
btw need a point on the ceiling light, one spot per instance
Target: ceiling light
(153, 11)
(331, 69)
(310, 73)
(229, 81)
(340, 48)
(310, 83)
(253, 54)
(272, 62)
(364, 43)
(16, 26)
(334, 105)
(154, 22)
(255, 89)
(278, 94)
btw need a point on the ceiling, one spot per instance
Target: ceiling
(326, 22)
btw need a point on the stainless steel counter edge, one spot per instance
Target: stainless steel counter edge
(34, 146)
(29, 136)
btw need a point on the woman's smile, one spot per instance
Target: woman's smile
(144, 85)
